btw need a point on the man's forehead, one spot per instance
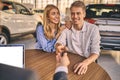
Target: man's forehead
(76, 9)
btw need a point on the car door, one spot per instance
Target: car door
(25, 19)
(7, 17)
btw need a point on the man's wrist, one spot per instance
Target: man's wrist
(57, 44)
(61, 69)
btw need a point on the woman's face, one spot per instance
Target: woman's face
(54, 16)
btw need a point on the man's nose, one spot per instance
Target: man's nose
(75, 15)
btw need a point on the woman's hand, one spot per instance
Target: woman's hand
(68, 24)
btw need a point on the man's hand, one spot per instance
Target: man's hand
(60, 48)
(81, 68)
(62, 60)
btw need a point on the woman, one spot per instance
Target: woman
(48, 33)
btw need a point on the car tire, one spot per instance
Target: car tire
(3, 38)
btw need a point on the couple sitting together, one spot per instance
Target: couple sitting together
(79, 37)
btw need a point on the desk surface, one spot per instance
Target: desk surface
(44, 65)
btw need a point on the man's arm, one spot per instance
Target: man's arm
(62, 67)
(61, 73)
(61, 42)
(62, 38)
(8, 72)
(81, 67)
(60, 76)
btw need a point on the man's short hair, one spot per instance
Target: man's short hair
(78, 4)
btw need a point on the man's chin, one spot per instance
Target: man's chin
(76, 23)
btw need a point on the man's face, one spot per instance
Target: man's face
(77, 15)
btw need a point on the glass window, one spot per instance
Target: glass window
(8, 8)
(22, 10)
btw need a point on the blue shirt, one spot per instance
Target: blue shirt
(42, 42)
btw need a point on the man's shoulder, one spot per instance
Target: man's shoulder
(66, 30)
(90, 25)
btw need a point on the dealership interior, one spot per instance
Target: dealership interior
(62, 4)
(109, 59)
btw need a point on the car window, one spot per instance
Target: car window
(22, 10)
(103, 11)
(8, 8)
(38, 11)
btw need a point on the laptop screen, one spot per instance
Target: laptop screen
(12, 55)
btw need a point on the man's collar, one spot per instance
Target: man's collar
(83, 28)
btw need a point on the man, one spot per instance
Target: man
(83, 38)
(13, 73)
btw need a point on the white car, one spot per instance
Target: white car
(16, 20)
(38, 12)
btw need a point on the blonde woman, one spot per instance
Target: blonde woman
(48, 33)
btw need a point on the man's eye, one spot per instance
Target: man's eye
(78, 13)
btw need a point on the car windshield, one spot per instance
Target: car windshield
(103, 11)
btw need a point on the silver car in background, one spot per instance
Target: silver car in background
(107, 18)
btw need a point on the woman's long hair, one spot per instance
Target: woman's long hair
(46, 22)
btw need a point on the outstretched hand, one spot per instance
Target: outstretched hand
(60, 49)
(62, 60)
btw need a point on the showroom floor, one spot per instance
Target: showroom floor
(110, 61)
